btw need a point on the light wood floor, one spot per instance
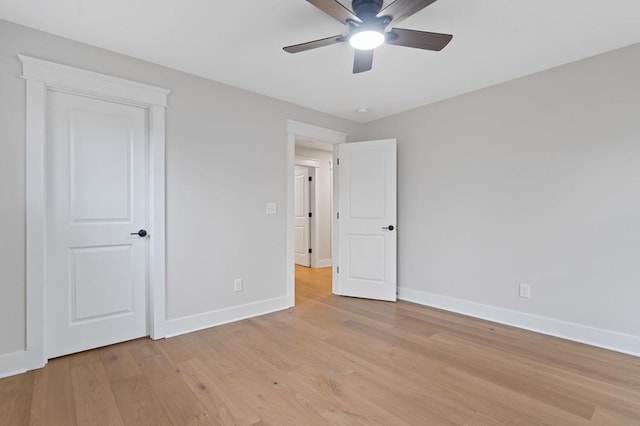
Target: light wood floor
(334, 360)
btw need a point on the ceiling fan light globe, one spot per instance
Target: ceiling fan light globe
(366, 40)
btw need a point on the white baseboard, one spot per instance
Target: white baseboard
(14, 363)
(175, 327)
(323, 263)
(606, 339)
(22, 361)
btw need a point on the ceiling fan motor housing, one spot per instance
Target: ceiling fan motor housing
(366, 9)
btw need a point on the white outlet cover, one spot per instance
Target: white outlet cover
(237, 284)
(271, 208)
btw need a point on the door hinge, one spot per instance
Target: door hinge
(338, 161)
(337, 269)
(310, 214)
(310, 178)
(310, 251)
(338, 215)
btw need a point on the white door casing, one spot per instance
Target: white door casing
(301, 216)
(367, 238)
(96, 271)
(298, 130)
(42, 79)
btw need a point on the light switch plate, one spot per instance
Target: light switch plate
(271, 208)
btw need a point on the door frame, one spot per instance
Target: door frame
(42, 77)
(296, 129)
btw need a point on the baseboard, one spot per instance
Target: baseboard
(14, 363)
(606, 339)
(323, 263)
(175, 327)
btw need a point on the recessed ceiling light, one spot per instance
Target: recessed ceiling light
(363, 110)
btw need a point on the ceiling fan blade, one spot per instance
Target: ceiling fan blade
(314, 44)
(402, 9)
(418, 39)
(335, 9)
(362, 61)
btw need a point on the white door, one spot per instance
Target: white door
(96, 273)
(301, 216)
(366, 226)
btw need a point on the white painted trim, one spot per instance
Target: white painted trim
(41, 77)
(157, 246)
(307, 162)
(335, 222)
(35, 222)
(290, 243)
(192, 323)
(70, 79)
(606, 339)
(299, 130)
(323, 263)
(314, 133)
(13, 363)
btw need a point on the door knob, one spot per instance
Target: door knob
(388, 228)
(140, 233)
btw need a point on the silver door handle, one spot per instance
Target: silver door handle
(388, 228)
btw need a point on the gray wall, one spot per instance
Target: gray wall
(226, 157)
(532, 181)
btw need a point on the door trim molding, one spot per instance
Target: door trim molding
(296, 129)
(42, 77)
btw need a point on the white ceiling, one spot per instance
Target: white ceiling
(240, 43)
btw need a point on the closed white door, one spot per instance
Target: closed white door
(96, 270)
(301, 217)
(367, 238)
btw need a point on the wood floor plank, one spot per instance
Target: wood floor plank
(227, 407)
(265, 395)
(499, 403)
(95, 403)
(179, 402)
(53, 402)
(137, 402)
(592, 392)
(335, 403)
(118, 362)
(15, 398)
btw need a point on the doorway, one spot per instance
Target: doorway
(313, 205)
(326, 138)
(110, 139)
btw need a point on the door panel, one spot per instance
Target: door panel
(100, 166)
(101, 282)
(302, 235)
(96, 275)
(367, 205)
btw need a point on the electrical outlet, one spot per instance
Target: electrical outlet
(525, 290)
(271, 208)
(237, 284)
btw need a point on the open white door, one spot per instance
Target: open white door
(367, 219)
(301, 216)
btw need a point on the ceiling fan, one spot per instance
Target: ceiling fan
(367, 26)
